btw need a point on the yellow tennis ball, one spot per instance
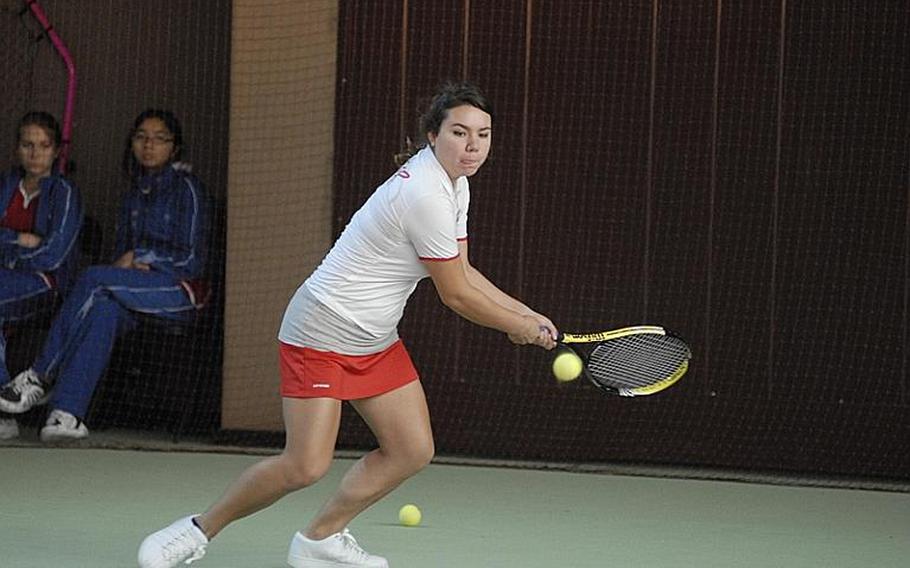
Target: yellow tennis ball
(567, 366)
(409, 515)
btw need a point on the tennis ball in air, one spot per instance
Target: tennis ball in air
(409, 515)
(567, 366)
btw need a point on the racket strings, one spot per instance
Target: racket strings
(637, 361)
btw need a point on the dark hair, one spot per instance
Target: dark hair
(448, 96)
(130, 166)
(44, 120)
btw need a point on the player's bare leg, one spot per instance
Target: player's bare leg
(400, 421)
(311, 426)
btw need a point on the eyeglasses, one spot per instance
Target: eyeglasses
(157, 139)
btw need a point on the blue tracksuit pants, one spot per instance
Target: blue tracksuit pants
(102, 305)
(22, 295)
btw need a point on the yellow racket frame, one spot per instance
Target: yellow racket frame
(613, 334)
(568, 338)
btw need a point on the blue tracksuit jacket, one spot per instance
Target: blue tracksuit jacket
(24, 291)
(58, 221)
(162, 220)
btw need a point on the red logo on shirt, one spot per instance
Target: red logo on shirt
(403, 173)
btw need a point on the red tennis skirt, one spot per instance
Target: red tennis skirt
(310, 373)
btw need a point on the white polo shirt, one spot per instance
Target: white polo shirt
(376, 263)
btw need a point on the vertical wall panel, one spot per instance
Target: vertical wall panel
(280, 188)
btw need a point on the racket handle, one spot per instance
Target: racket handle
(558, 337)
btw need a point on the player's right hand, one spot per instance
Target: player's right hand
(532, 332)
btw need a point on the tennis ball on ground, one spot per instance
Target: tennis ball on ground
(567, 366)
(409, 515)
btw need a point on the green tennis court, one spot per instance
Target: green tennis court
(91, 508)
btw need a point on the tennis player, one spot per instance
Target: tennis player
(338, 341)
(40, 219)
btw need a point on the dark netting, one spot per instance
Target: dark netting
(732, 171)
(738, 172)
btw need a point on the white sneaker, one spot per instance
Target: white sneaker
(179, 543)
(61, 426)
(9, 428)
(337, 550)
(23, 392)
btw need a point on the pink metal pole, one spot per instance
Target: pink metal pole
(61, 48)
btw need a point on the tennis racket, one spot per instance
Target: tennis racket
(631, 361)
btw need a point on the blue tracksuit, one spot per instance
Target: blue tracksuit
(26, 274)
(164, 221)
